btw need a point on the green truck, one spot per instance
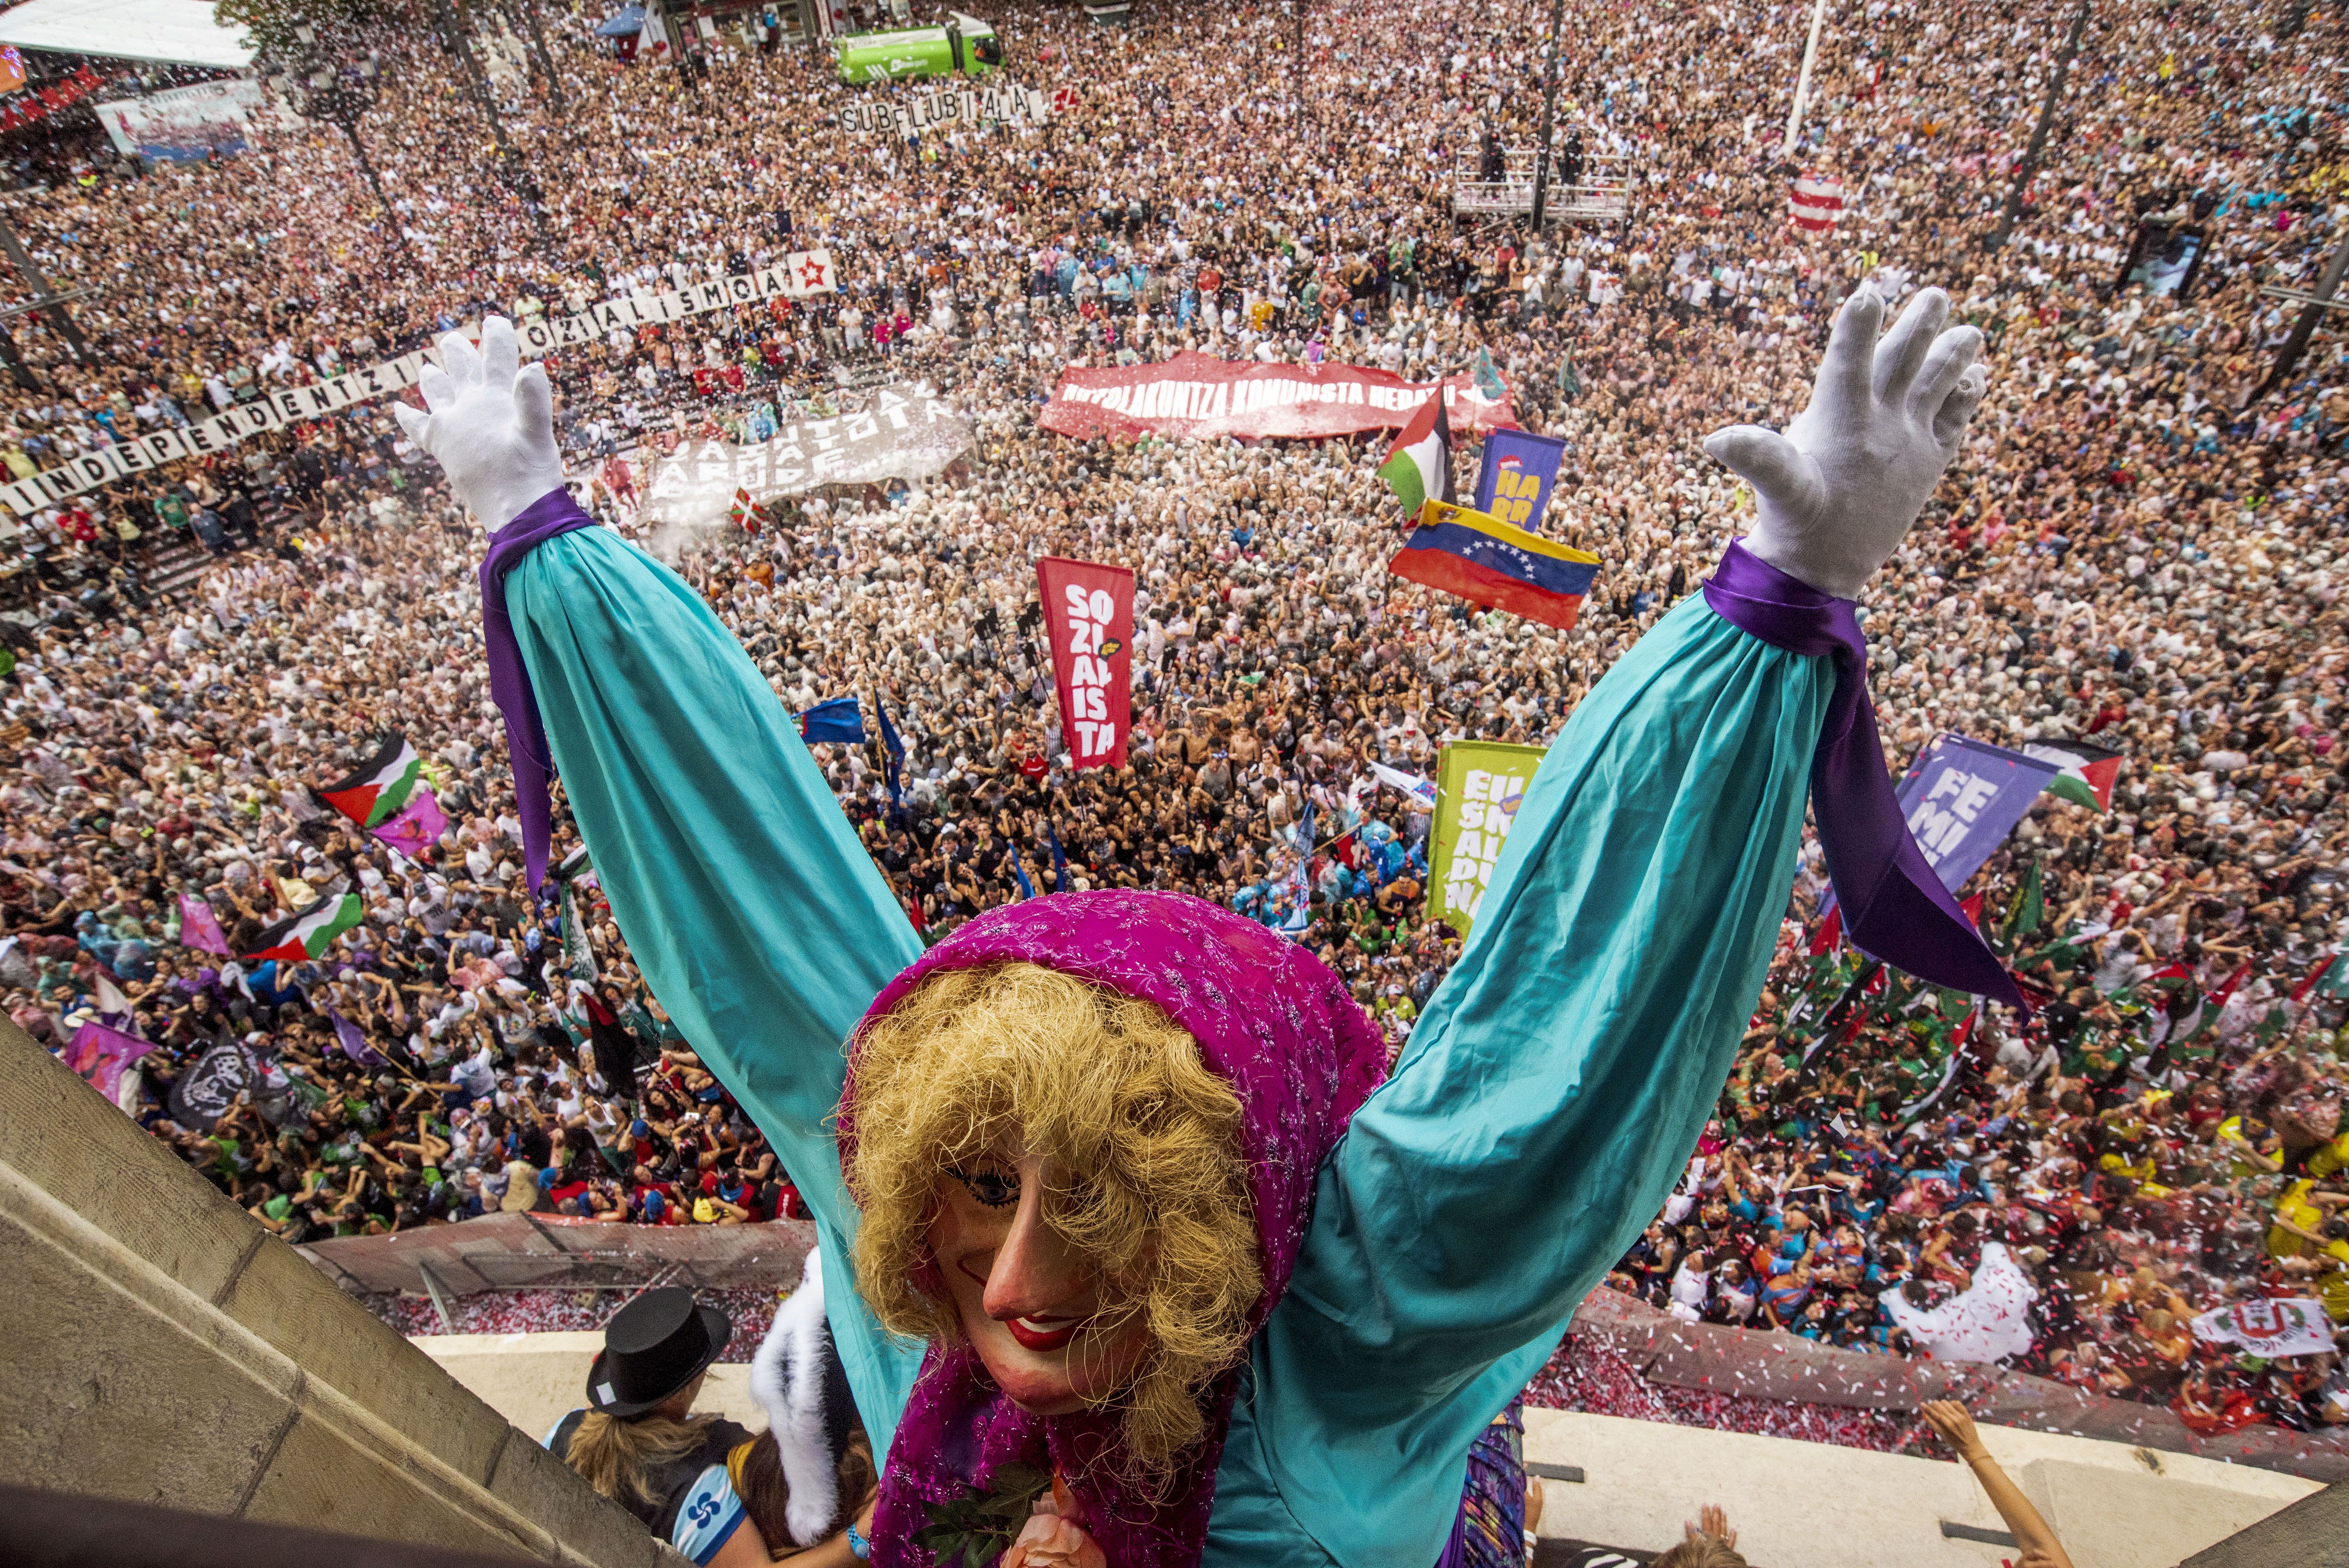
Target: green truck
(965, 44)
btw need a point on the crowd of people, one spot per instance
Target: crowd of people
(2128, 551)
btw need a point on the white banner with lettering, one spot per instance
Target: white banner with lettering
(908, 433)
(800, 275)
(943, 107)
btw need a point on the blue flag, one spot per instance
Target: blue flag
(1520, 470)
(1060, 861)
(1019, 875)
(892, 754)
(837, 719)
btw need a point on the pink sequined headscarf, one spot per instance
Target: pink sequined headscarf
(1271, 1020)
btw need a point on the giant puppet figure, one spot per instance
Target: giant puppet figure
(1108, 1187)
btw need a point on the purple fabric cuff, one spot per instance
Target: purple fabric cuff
(1894, 905)
(552, 513)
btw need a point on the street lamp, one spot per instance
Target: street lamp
(340, 96)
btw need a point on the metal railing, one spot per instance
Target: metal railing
(546, 1252)
(1600, 191)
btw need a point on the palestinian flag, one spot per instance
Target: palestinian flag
(1418, 466)
(374, 794)
(2088, 771)
(306, 935)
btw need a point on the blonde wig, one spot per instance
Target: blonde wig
(1143, 1140)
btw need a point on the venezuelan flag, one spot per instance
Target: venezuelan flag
(1476, 556)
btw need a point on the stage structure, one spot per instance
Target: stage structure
(1600, 191)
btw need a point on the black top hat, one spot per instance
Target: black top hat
(653, 1347)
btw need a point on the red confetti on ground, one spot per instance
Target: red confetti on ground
(564, 1311)
(1583, 1374)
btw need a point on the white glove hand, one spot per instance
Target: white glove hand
(1836, 493)
(491, 425)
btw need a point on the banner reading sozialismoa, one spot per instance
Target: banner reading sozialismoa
(1479, 786)
(1198, 397)
(1089, 614)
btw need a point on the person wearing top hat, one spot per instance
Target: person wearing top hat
(702, 1483)
(638, 1441)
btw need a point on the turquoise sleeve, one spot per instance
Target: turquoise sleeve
(1550, 1096)
(758, 920)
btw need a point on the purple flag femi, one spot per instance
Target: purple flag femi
(200, 928)
(417, 828)
(100, 1053)
(1962, 797)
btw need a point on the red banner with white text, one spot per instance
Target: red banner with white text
(1088, 616)
(1200, 397)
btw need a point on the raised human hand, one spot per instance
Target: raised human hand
(1712, 1519)
(1950, 1418)
(490, 425)
(1836, 492)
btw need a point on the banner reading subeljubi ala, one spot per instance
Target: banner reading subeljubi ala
(1089, 614)
(1479, 786)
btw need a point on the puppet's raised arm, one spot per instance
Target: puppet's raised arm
(760, 921)
(1551, 1093)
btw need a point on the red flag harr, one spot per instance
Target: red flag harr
(1089, 614)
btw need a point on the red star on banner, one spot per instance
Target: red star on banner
(811, 274)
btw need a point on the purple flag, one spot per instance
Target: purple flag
(1519, 472)
(199, 927)
(417, 828)
(1962, 797)
(354, 1041)
(100, 1053)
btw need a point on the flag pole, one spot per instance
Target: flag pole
(2029, 167)
(1550, 120)
(1803, 81)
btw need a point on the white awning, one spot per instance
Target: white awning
(181, 32)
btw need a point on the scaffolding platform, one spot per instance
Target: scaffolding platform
(1600, 194)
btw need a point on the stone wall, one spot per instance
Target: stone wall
(164, 1348)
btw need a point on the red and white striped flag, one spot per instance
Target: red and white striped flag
(1815, 203)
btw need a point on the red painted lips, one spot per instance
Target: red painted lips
(1043, 1333)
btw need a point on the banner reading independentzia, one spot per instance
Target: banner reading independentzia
(799, 276)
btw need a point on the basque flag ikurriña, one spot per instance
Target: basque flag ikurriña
(1418, 466)
(381, 785)
(300, 938)
(1478, 557)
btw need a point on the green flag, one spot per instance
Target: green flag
(2029, 908)
(1479, 786)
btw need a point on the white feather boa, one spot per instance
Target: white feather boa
(787, 1379)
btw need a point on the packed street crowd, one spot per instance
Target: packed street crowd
(2125, 553)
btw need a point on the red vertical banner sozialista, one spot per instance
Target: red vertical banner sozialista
(1089, 614)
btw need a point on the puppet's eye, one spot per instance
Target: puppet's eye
(995, 1188)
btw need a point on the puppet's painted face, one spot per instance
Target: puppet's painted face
(1031, 1304)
